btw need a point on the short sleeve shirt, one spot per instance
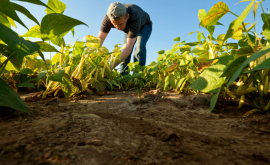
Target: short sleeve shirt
(137, 19)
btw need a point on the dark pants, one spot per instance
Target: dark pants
(140, 49)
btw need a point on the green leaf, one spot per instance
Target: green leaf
(9, 98)
(79, 48)
(181, 81)
(225, 59)
(177, 39)
(167, 82)
(67, 86)
(198, 50)
(41, 74)
(58, 41)
(192, 43)
(263, 65)
(244, 14)
(56, 6)
(214, 14)
(24, 11)
(56, 58)
(253, 57)
(233, 66)
(214, 99)
(209, 80)
(201, 15)
(57, 76)
(7, 51)
(230, 31)
(185, 48)
(4, 20)
(175, 47)
(161, 52)
(265, 17)
(100, 86)
(27, 84)
(19, 45)
(7, 8)
(220, 39)
(45, 47)
(72, 31)
(266, 33)
(247, 51)
(26, 71)
(36, 2)
(56, 25)
(33, 32)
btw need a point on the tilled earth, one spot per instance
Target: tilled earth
(121, 128)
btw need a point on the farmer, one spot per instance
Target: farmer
(136, 25)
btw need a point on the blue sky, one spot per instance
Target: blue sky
(170, 19)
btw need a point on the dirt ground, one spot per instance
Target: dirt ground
(121, 128)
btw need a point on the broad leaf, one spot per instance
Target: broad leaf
(26, 71)
(92, 41)
(7, 8)
(58, 41)
(57, 25)
(9, 65)
(36, 2)
(9, 98)
(4, 20)
(33, 32)
(19, 45)
(7, 51)
(24, 11)
(45, 47)
(177, 39)
(209, 80)
(253, 57)
(56, 58)
(230, 31)
(57, 76)
(56, 6)
(265, 17)
(214, 14)
(27, 84)
(67, 86)
(161, 52)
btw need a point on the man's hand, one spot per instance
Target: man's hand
(129, 46)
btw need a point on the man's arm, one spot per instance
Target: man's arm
(102, 37)
(129, 45)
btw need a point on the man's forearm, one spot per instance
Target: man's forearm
(102, 37)
(124, 55)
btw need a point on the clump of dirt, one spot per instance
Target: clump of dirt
(123, 128)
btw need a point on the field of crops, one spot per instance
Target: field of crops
(202, 102)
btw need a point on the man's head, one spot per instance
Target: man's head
(118, 15)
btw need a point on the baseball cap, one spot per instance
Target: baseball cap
(116, 11)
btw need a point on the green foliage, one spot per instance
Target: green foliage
(9, 98)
